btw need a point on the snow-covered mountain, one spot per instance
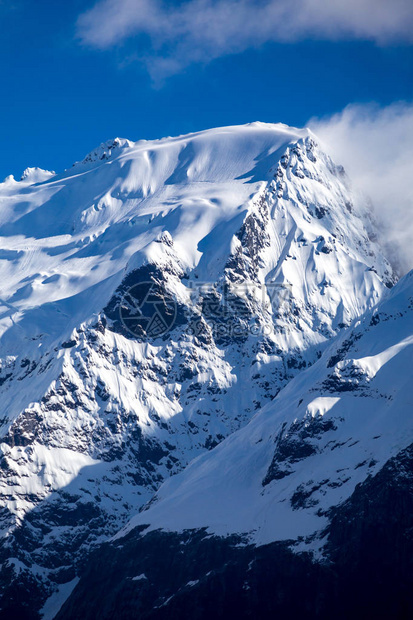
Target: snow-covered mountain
(304, 453)
(305, 512)
(156, 297)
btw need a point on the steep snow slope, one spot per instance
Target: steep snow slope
(329, 429)
(258, 253)
(366, 571)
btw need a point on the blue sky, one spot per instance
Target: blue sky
(76, 73)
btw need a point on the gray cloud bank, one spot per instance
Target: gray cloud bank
(375, 145)
(177, 35)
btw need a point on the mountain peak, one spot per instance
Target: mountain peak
(36, 175)
(105, 149)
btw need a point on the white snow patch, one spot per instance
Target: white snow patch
(321, 405)
(55, 602)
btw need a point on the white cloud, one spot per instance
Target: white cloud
(175, 36)
(375, 145)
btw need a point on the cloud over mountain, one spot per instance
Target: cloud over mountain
(376, 147)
